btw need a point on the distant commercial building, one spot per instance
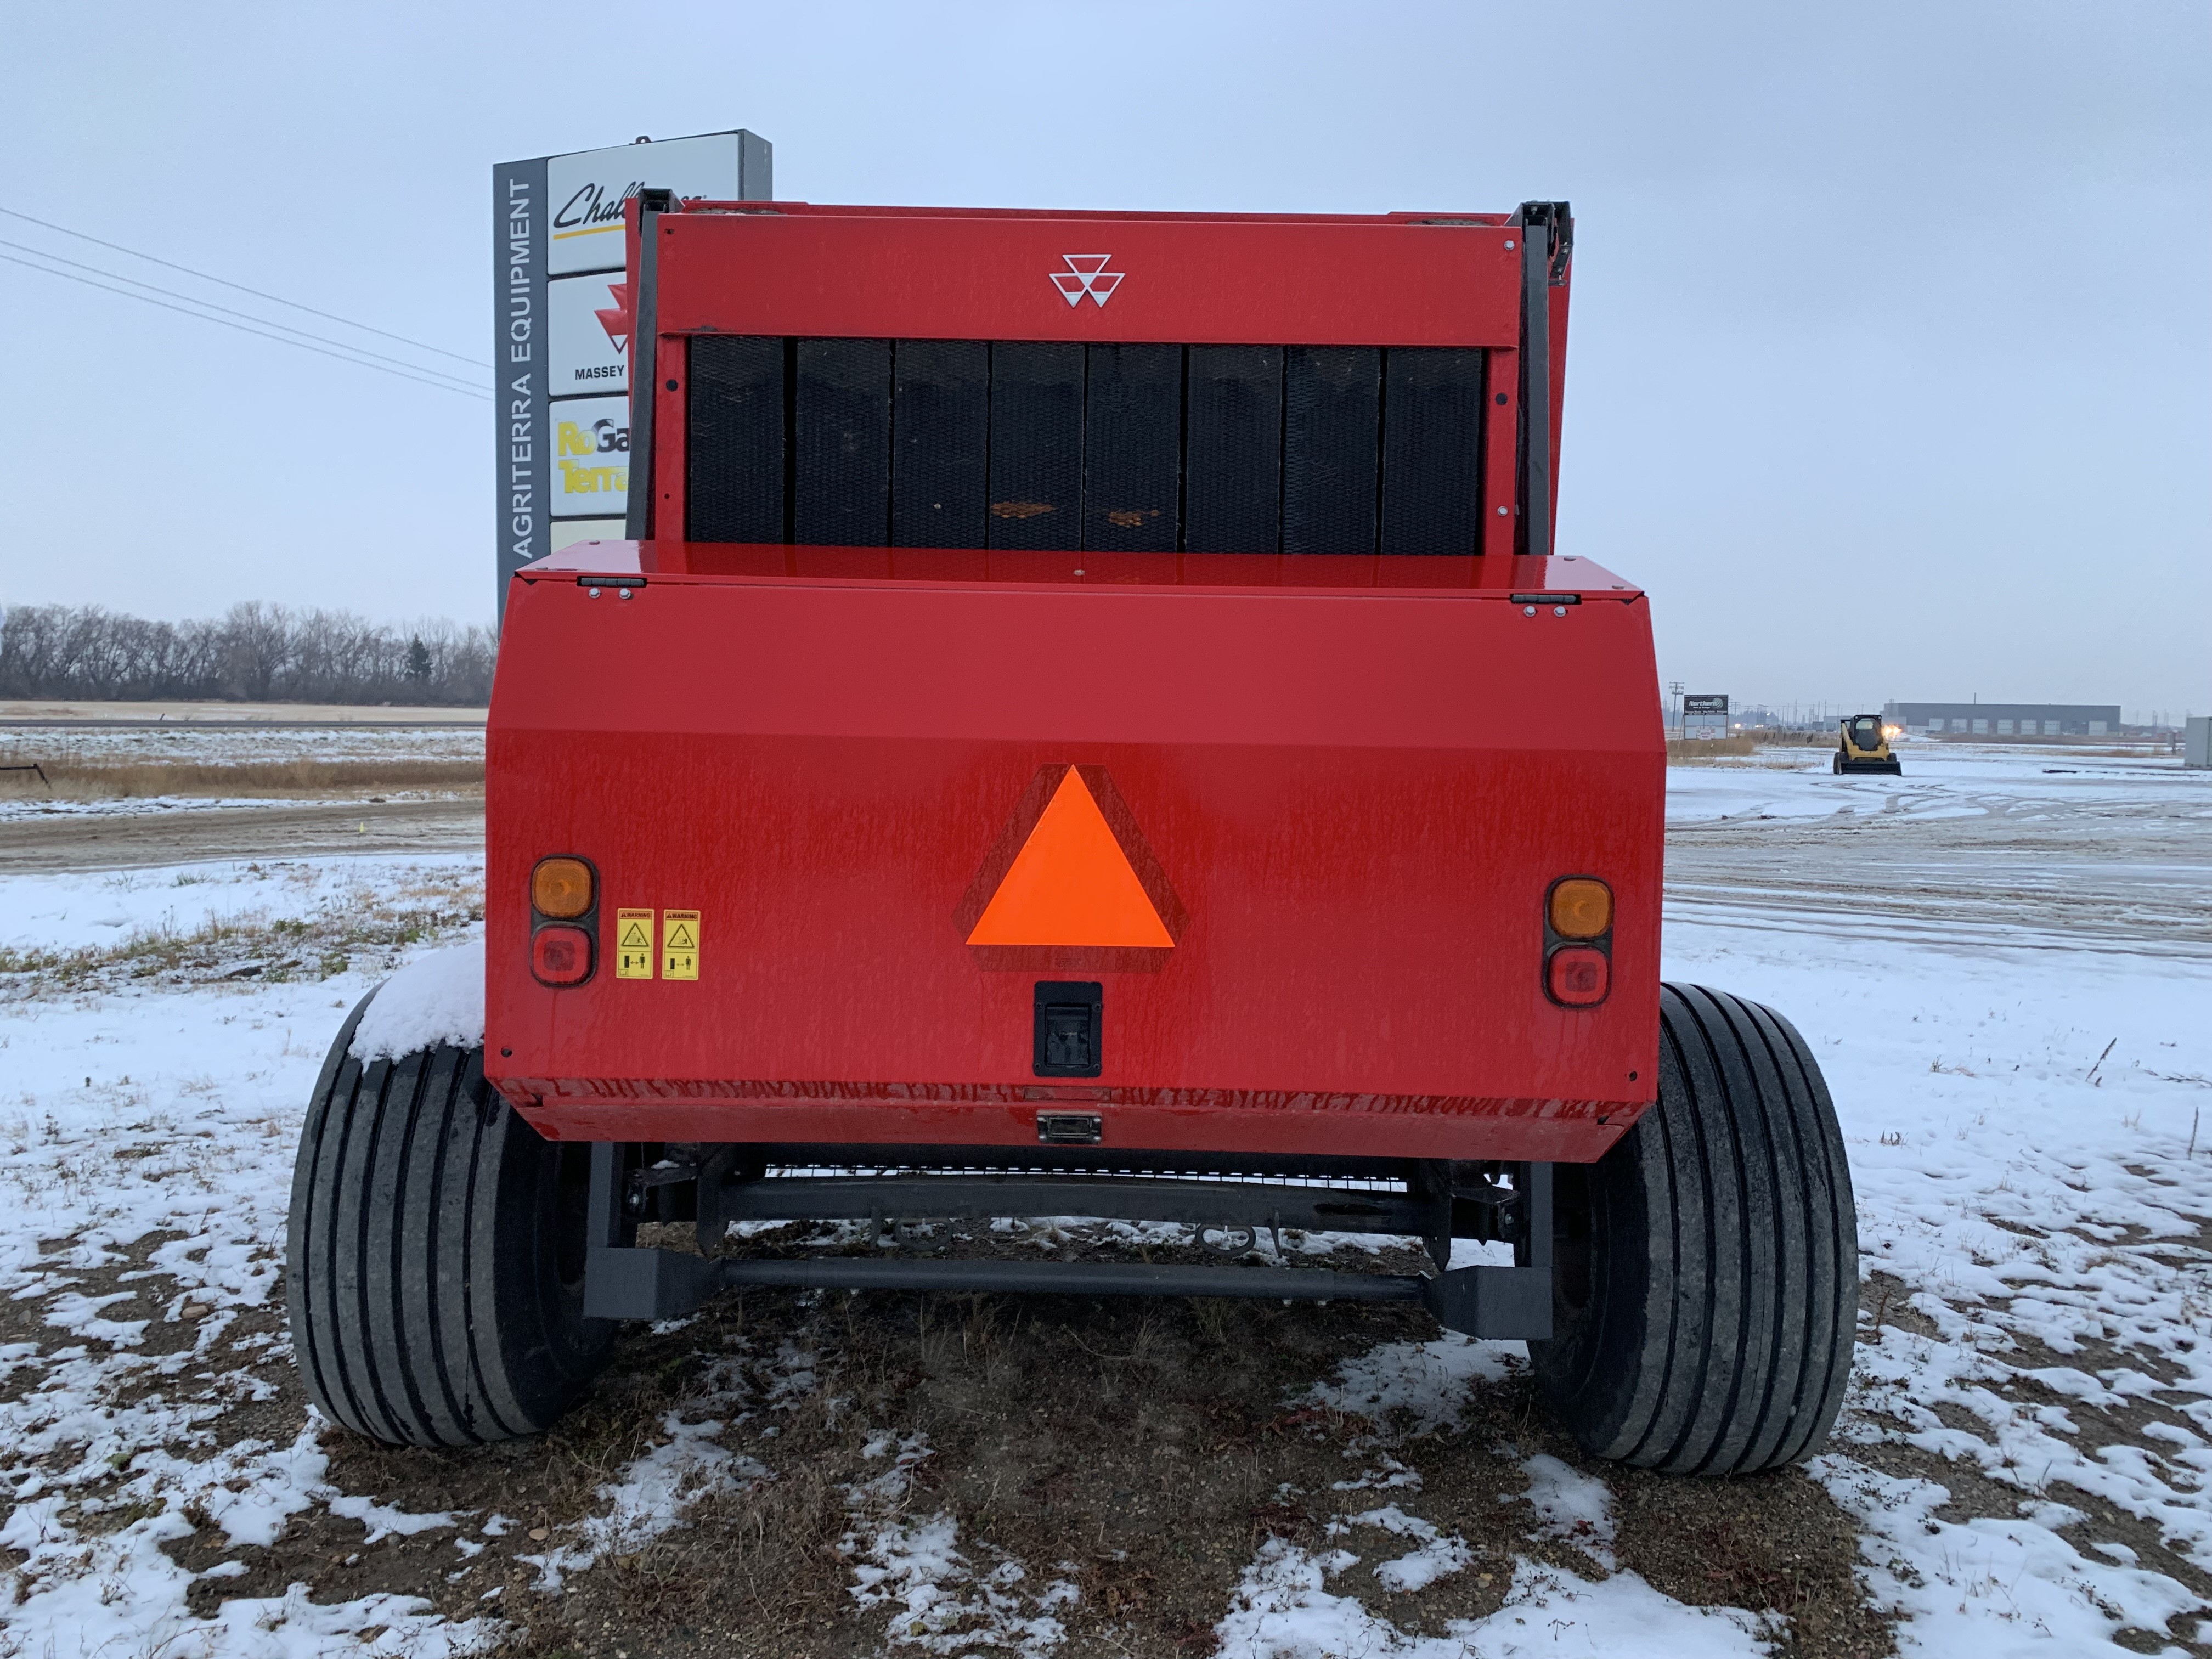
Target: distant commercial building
(2006, 719)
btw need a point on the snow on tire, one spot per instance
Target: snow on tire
(1707, 1277)
(434, 1268)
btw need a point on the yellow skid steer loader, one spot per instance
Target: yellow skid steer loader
(1865, 746)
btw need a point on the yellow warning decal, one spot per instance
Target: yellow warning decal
(633, 945)
(679, 945)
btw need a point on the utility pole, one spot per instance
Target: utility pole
(1673, 702)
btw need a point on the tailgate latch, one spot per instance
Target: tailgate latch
(1069, 1014)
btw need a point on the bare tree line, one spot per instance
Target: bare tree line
(255, 653)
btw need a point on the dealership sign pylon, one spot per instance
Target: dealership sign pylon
(560, 337)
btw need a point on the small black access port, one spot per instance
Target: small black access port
(1070, 1022)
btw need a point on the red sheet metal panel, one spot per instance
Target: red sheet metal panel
(1358, 793)
(1379, 282)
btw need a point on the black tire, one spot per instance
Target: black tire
(434, 1268)
(1707, 1267)
(1835, 764)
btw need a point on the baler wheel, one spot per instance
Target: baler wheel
(434, 1269)
(1707, 1283)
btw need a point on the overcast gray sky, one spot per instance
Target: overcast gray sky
(1891, 371)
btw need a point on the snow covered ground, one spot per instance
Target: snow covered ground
(239, 745)
(2025, 1454)
(113, 753)
(1939, 780)
(2020, 1126)
(31, 810)
(99, 910)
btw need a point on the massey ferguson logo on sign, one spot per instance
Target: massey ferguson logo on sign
(1087, 273)
(615, 320)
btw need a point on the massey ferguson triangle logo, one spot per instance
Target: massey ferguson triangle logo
(615, 320)
(1087, 273)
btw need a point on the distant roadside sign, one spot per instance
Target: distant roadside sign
(1705, 715)
(562, 357)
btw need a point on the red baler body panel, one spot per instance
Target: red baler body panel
(1361, 796)
(1359, 776)
(956, 276)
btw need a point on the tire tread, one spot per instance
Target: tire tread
(417, 1247)
(1720, 1341)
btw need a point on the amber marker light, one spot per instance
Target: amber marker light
(561, 888)
(1581, 907)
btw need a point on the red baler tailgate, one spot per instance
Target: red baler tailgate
(1353, 804)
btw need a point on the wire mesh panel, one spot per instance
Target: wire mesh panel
(842, 443)
(1133, 448)
(940, 430)
(735, 439)
(1233, 450)
(1037, 444)
(1432, 446)
(1057, 446)
(1332, 417)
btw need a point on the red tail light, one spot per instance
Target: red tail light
(1578, 976)
(561, 956)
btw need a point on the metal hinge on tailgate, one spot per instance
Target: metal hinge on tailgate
(1558, 223)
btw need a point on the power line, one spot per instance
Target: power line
(266, 322)
(275, 299)
(419, 379)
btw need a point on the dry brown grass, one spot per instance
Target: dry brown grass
(1708, 748)
(125, 779)
(1771, 736)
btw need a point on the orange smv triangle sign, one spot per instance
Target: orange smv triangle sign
(1071, 883)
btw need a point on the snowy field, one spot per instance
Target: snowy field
(150, 773)
(1940, 780)
(2021, 1468)
(32, 810)
(107, 910)
(239, 745)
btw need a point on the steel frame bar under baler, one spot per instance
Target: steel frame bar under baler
(623, 1281)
